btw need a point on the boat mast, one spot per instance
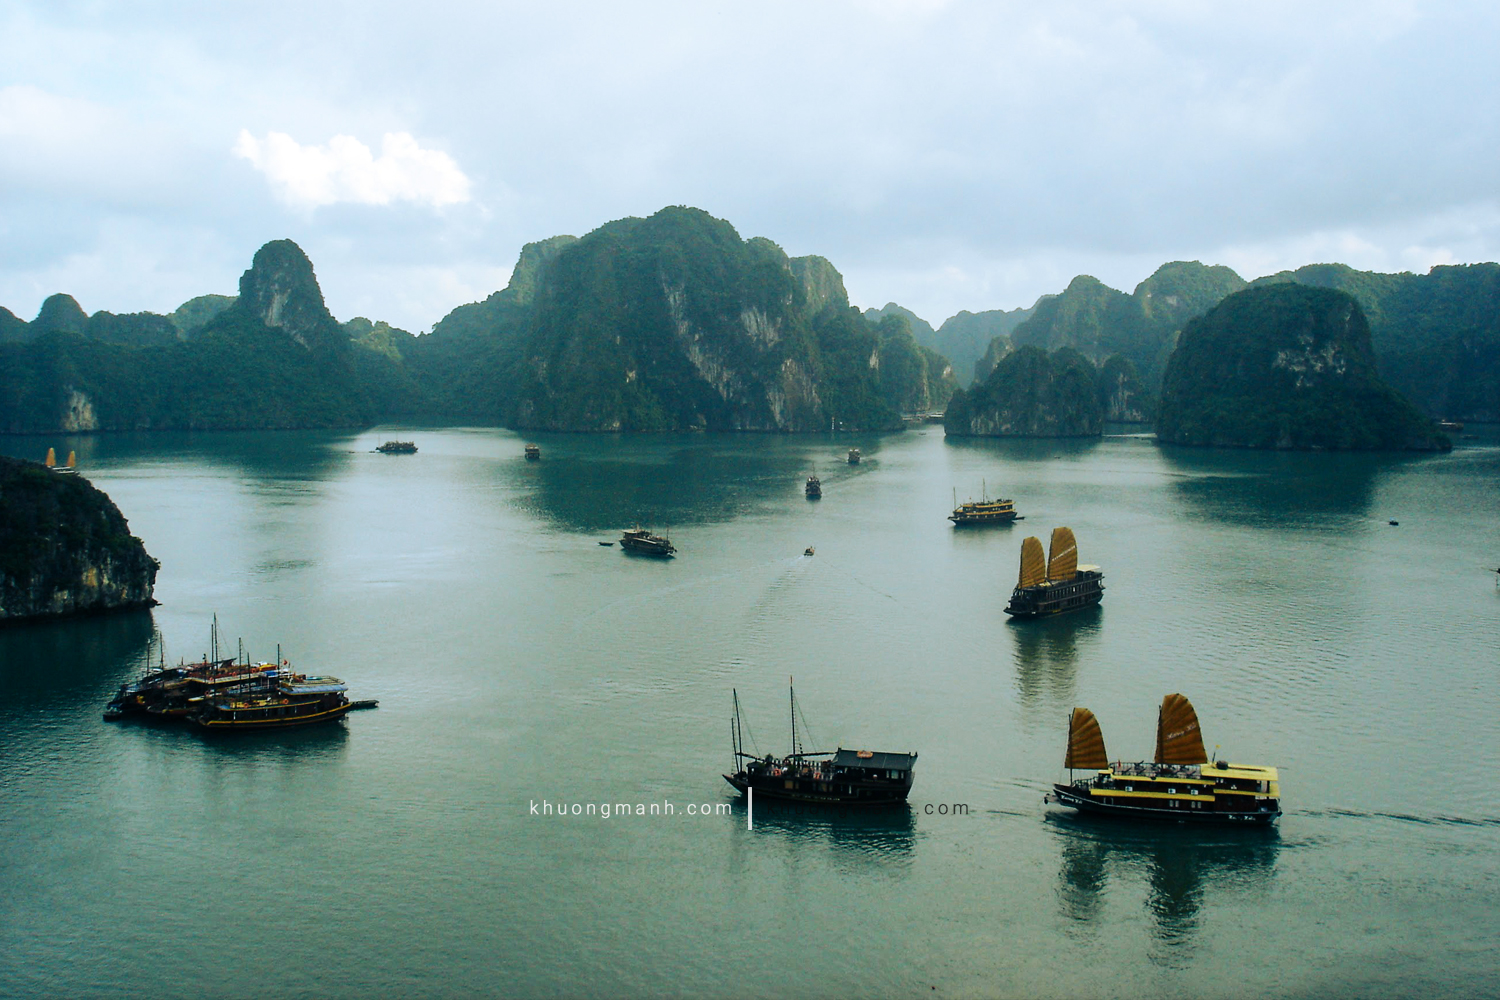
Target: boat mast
(735, 738)
(793, 693)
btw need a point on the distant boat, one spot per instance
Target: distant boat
(533, 452)
(845, 777)
(398, 448)
(808, 551)
(606, 543)
(814, 488)
(983, 511)
(1059, 585)
(854, 456)
(63, 470)
(642, 541)
(1452, 426)
(1180, 785)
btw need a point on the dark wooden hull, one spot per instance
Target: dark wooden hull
(216, 722)
(647, 549)
(805, 790)
(1066, 795)
(1056, 598)
(966, 520)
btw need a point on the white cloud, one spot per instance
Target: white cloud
(346, 170)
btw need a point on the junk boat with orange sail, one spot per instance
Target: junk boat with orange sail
(838, 777)
(1059, 584)
(1181, 784)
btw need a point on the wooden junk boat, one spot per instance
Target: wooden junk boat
(1180, 785)
(70, 469)
(839, 777)
(642, 541)
(1059, 584)
(288, 700)
(814, 488)
(398, 448)
(985, 511)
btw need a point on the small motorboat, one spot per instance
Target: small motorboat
(611, 544)
(808, 551)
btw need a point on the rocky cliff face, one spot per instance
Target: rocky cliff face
(821, 282)
(1285, 366)
(667, 323)
(1030, 393)
(281, 291)
(976, 341)
(65, 548)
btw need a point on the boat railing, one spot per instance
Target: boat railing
(1147, 769)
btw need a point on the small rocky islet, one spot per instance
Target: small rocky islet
(65, 548)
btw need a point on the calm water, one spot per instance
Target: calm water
(518, 662)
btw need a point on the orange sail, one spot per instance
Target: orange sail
(1062, 557)
(1033, 566)
(1085, 742)
(72, 459)
(51, 457)
(1178, 740)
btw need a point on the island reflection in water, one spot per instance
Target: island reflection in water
(588, 483)
(61, 664)
(1278, 489)
(1183, 870)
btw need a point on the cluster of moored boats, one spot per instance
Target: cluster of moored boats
(228, 694)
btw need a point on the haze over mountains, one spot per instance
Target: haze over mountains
(675, 322)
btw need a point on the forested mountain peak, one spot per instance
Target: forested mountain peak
(60, 312)
(281, 291)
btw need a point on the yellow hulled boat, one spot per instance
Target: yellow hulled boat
(1181, 784)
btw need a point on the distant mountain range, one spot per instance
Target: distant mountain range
(667, 323)
(1435, 336)
(675, 322)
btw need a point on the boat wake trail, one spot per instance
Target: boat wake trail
(1406, 817)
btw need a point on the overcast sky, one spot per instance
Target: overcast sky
(944, 155)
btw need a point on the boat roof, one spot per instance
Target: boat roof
(877, 759)
(1225, 770)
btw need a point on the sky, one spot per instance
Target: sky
(943, 155)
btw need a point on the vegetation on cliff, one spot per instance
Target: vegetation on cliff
(1285, 366)
(1436, 336)
(1099, 321)
(65, 547)
(976, 341)
(1031, 393)
(674, 322)
(275, 358)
